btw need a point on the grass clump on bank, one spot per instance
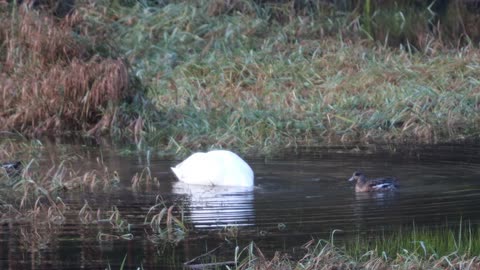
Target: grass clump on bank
(52, 79)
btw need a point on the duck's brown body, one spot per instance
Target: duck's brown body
(371, 185)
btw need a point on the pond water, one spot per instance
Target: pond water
(300, 195)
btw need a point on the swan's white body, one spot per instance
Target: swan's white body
(217, 167)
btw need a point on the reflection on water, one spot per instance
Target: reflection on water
(217, 206)
(296, 197)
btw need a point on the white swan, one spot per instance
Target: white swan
(217, 167)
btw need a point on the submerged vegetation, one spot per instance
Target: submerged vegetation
(248, 75)
(35, 197)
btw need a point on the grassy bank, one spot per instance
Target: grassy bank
(249, 79)
(411, 248)
(241, 75)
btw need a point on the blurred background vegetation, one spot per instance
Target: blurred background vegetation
(390, 21)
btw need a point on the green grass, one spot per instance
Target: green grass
(409, 248)
(424, 242)
(245, 80)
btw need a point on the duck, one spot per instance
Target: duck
(371, 185)
(12, 168)
(216, 167)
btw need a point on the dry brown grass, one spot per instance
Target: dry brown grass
(48, 81)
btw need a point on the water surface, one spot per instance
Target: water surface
(298, 196)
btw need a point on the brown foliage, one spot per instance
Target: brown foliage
(49, 83)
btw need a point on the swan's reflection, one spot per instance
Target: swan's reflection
(217, 206)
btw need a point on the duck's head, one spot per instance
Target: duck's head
(357, 176)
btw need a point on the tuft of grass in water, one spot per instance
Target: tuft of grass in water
(167, 224)
(111, 217)
(144, 180)
(34, 195)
